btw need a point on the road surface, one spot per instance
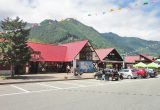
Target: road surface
(136, 94)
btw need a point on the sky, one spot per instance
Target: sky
(129, 18)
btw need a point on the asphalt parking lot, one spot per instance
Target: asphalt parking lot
(91, 94)
(14, 89)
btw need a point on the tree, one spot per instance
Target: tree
(13, 47)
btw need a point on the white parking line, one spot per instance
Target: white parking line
(75, 84)
(13, 94)
(54, 88)
(19, 88)
(49, 86)
(93, 82)
(46, 90)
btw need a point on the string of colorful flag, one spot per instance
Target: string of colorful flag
(143, 3)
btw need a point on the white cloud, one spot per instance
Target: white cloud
(133, 22)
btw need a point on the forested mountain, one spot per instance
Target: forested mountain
(68, 30)
(133, 45)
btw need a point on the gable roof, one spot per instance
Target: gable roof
(150, 58)
(133, 59)
(73, 49)
(102, 53)
(49, 52)
(64, 52)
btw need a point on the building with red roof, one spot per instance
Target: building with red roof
(56, 57)
(64, 52)
(130, 60)
(110, 56)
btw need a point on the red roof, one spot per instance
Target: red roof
(49, 52)
(64, 52)
(102, 53)
(131, 59)
(73, 49)
(147, 57)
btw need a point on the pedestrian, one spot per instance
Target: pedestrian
(68, 69)
(27, 68)
(103, 75)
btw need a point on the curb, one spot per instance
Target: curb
(34, 81)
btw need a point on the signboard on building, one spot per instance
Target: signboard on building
(86, 66)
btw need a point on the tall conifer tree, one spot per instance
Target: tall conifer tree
(14, 47)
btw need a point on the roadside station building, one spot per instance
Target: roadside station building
(109, 57)
(81, 54)
(55, 58)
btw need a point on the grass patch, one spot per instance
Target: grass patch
(2, 77)
(17, 77)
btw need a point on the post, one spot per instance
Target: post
(123, 64)
(74, 66)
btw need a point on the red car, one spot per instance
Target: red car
(142, 73)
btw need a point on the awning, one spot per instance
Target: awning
(140, 65)
(153, 65)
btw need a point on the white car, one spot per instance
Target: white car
(128, 73)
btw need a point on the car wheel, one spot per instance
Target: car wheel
(118, 79)
(129, 77)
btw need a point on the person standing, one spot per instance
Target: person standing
(27, 68)
(103, 75)
(68, 69)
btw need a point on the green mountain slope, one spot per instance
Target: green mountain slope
(0, 26)
(133, 45)
(68, 30)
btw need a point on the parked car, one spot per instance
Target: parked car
(142, 73)
(108, 74)
(151, 73)
(129, 73)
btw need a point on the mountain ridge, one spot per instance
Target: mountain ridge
(69, 30)
(133, 43)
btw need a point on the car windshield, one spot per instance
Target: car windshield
(134, 70)
(124, 70)
(149, 70)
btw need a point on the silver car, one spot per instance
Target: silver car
(128, 73)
